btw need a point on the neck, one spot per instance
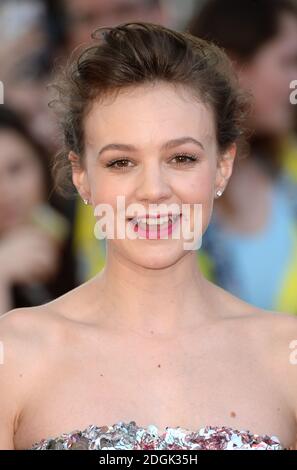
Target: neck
(166, 301)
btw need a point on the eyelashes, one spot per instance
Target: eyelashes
(183, 159)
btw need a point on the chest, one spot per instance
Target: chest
(187, 386)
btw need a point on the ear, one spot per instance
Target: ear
(79, 175)
(225, 167)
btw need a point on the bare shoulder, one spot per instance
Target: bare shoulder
(285, 337)
(28, 336)
(38, 328)
(275, 334)
(275, 329)
(270, 337)
(280, 327)
(25, 336)
(283, 333)
(27, 326)
(262, 327)
(18, 330)
(31, 336)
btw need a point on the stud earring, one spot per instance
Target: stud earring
(86, 201)
(219, 192)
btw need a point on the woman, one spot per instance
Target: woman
(32, 231)
(252, 239)
(151, 115)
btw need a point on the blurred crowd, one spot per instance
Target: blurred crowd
(47, 242)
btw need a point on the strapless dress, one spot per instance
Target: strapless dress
(129, 436)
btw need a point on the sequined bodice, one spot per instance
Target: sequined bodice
(130, 436)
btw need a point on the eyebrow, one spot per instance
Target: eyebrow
(168, 145)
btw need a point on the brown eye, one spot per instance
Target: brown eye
(118, 164)
(185, 159)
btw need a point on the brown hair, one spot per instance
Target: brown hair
(137, 53)
(242, 28)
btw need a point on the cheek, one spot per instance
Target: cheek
(106, 190)
(199, 189)
(105, 197)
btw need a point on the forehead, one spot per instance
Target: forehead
(147, 114)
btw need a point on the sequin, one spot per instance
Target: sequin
(129, 436)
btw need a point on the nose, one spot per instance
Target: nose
(152, 185)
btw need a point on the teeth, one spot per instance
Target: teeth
(155, 221)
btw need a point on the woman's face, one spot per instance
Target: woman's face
(268, 76)
(21, 180)
(147, 118)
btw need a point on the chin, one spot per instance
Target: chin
(158, 256)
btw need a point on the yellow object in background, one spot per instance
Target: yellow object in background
(289, 152)
(287, 297)
(89, 251)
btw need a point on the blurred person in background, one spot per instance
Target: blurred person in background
(251, 245)
(32, 231)
(32, 43)
(32, 38)
(84, 16)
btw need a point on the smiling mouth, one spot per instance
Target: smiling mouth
(158, 225)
